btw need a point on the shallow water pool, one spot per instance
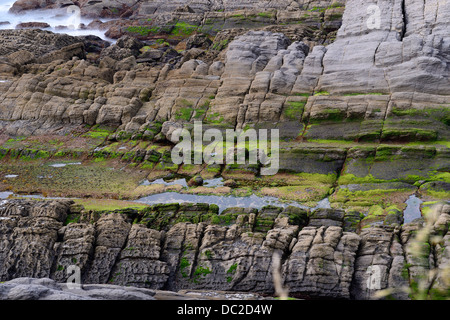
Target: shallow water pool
(224, 202)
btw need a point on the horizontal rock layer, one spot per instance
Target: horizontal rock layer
(129, 7)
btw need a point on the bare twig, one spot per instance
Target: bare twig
(280, 291)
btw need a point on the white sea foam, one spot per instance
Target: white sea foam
(55, 18)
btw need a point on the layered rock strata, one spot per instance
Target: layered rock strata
(376, 84)
(189, 246)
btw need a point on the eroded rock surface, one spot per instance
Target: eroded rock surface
(367, 85)
(271, 64)
(196, 249)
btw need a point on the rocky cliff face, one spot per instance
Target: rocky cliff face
(378, 78)
(166, 247)
(361, 100)
(158, 92)
(405, 60)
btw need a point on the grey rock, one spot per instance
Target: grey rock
(112, 232)
(327, 217)
(48, 289)
(36, 41)
(322, 262)
(138, 263)
(195, 181)
(117, 53)
(198, 41)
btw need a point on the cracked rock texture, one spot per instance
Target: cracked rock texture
(316, 70)
(391, 83)
(144, 7)
(321, 257)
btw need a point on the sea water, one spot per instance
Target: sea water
(55, 18)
